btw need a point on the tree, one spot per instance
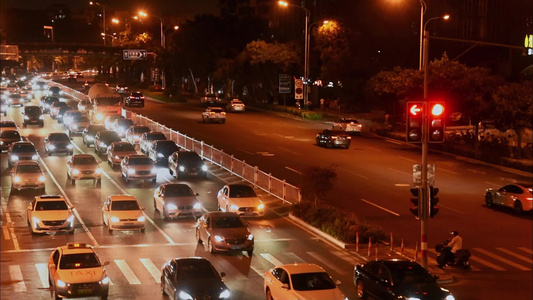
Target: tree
(317, 182)
(34, 64)
(513, 104)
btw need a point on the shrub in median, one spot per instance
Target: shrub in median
(337, 222)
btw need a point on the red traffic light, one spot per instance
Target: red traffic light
(437, 109)
(436, 122)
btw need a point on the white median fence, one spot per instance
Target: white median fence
(265, 181)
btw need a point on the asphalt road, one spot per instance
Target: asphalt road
(374, 178)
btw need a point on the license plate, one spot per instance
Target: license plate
(236, 247)
(85, 291)
(249, 213)
(54, 228)
(127, 224)
(194, 173)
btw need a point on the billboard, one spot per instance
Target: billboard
(9, 52)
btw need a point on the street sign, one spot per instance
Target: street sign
(9, 52)
(284, 83)
(298, 89)
(417, 174)
(133, 54)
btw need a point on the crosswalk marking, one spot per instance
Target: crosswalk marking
(431, 261)
(486, 263)
(42, 270)
(256, 270)
(271, 259)
(504, 260)
(16, 277)
(526, 250)
(326, 261)
(292, 258)
(154, 271)
(348, 259)
(127, 271)
(526, 259)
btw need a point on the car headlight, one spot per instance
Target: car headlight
(1, 142)
(413, 298)
(182, 168)
(61, 284)
(116, 157)
(35, 157)
(75, 171)
(218, 238)
(160, 155)
(154, 170)
(184, 295)
(42, 179)
(98, 171)
(102, 144)
(261, 206)
(131, 171)
(35, 220)
(450, 297)
(99, 117)
(70, 219)
(75, 127)
(204, 168)
(41, 117)
(250, 237)
(14, 157)
(51, 147)
(26, 118)
(171, 207)
(197, 205)
(234, 207)
(89, 138)
(141, 219)
(47, 106)
(105, 280)
(17, 179)
(69, 146)
(225, 294)
(114, 219)
(136, 137)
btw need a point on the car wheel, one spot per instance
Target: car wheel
(198, 239)
(42, 190)
(250, 252)
(73, 181)
(170, 171)
(41, 124)
(56, 296)
(518, 207)
(203, 119)
(489, 200)
(227, 208)
(269, 295)
(360, 288)
(328, 145)
(165, 215)
(103, 297)
(155, 205)
(210, 247)
(99, 181)
(143, 230)
(223, 121)
(110, 230)
(24, 124)
(163, 286)
(111, 164)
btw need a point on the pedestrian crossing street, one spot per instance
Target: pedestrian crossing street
(137, 271)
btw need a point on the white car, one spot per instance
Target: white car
(214, 114)
(517, 196)
(350, 125)
(301, 281)
(175, 200)
(240, 198)
(27, 175)
(85, 105)
(123, 212)
(134, 133)
(117, 151)
(50, 213)
(236, 105)
(137, 166)
(83, 166)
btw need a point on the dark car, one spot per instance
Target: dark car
(8, 125)
(19, 151)
(103, 139)
(148, 138)
(62, 112)
(89, 132)
(161, 151)
(186, 163)
(134, 98)
(55, 91)
(33, 114)
(397, 279)
(58, 142)
(209, 99)
(333, 138)
(54, 108)
(3, 107)
(71, 78)
(192, 278)
(86, 85)
(122, 125)
(46, 102)
(7, 137)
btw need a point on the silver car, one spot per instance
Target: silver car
(20, 151)
(137, 166)
(27, 175)
(83, 166)
(117, 151)
(174, 200)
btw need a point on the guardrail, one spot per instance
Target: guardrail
(262, 180)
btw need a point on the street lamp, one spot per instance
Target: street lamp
(143, 14)
(423, 8)
(112, 37)
(306, 46)
(103, 15)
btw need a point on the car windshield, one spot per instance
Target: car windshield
(10, 134)
(125, 205)
(124, 147)
(59, 104)
(7, 124)
(410, 274)
(107, 101)
(79, 261)
(337, 132)
(156, 136)
(312, 281)
(95, 128)
(33, 110)
(124, 122)
(178, 190)
(241, 191)
(51, 205)
(81, 119)
(59, 138)
(228, 222)
(110, 135)
(136, 94)
(216, 110)
(84, 161)
(15, 96)
(141, 129)
(23, 148)
(28, 169)
(55, 89)
(196, 270)
(51, 99)
(140, 161)
(347, 121)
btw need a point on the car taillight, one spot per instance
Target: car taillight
(529, 198)
(349, 137)
(334, 137)
(142, 97)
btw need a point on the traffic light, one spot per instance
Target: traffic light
(434, 209)
(415, 209)
(436, 122)
(415, 111)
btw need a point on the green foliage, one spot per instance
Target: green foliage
(280, 55)
(317, 182)
(337, 222)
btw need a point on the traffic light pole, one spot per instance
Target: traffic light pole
(424, 191)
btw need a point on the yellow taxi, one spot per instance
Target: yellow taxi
(123, 212)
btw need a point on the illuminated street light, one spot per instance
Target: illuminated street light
(103, 15)
(115, 21)
(308, 45)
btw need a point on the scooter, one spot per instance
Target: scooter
(461, 259)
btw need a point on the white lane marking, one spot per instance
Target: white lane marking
(452, 172)
(394, 142)
(166, 236)
(408, 159)
(152, 269)
(486, 263)
(504, 260)
(402, 184)
(290, 151)
(326, 262)
(408, 174)
(271, 259)
(245, 151)
(256, 270)
(16, 277)
(295, 171)
(344, 255)
(74, 210)
(127, 271)
(6, 233)
(431, 260)
(354, 173)
(526, 250)
(526, 259)
(293, 258)
(42, 270)
(452, 209)
(381, 207)
(375, 149)
(491, 184)
(12, 231)
(265, 153)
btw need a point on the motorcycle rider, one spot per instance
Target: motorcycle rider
(450, 249)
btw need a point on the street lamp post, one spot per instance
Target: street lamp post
(103, 16)
(423, 8)
(143, 14)
(110, 35)
(424, 191)
(308, 46)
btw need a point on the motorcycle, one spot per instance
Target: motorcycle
(461, 259)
